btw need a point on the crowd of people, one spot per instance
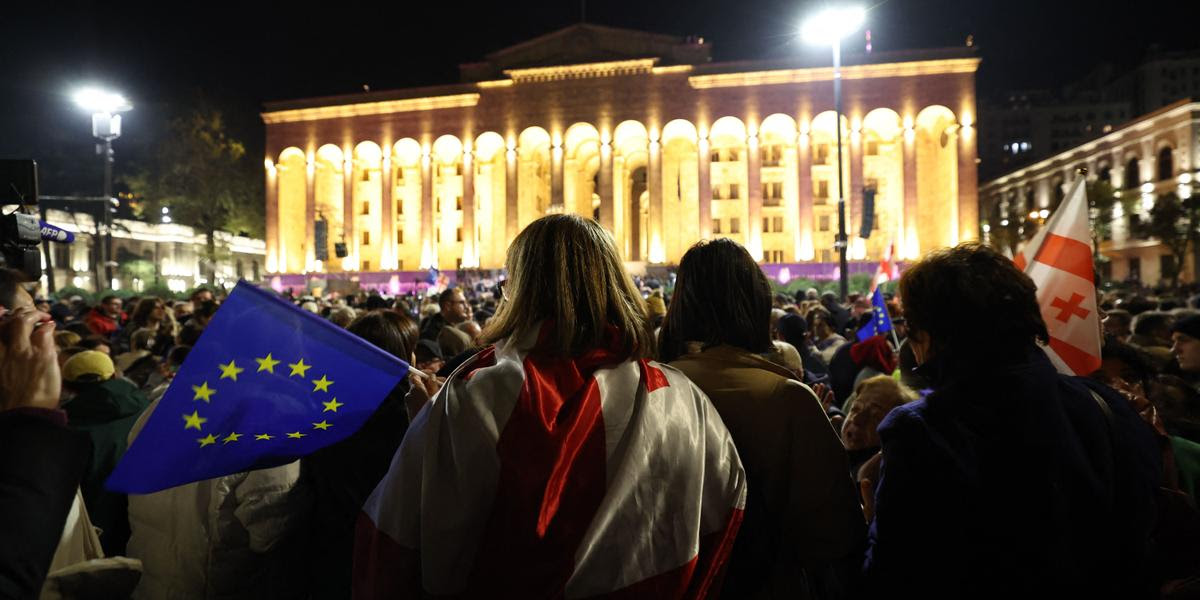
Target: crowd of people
(574, 431)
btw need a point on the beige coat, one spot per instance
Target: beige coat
(224, 538)
(803, 519)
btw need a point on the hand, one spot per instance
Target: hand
(29, 372)
(824, 394)
(422, 387)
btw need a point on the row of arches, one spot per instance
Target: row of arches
(771, 185)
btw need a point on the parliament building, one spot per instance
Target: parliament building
(642, 132)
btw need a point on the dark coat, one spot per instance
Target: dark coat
(1011, 482)
(106, 411)
(341, 478)
(41, 464)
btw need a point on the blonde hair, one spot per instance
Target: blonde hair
(566, 269)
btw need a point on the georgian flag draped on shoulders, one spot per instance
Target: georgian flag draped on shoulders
(537, 476)
(1059, 260)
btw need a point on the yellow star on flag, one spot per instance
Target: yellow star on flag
(194, 421)
(266, 364)
(203, 392)
(299, 368)
(296, 435)
(233, 437)
(263, 436)
(230, 371)
(207, 440)
(332, 405)
(322, 384)
(323, 425)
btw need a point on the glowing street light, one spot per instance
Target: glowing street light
(105, 107)
(827, 28)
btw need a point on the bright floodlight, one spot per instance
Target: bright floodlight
(832, 24)
(99, 101)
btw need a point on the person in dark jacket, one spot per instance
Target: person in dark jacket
(793, 329)
(1008, 480)
(341, 476)
(104, 407)
(41, 460)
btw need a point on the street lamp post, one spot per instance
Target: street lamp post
(827, 28)
(106, 127)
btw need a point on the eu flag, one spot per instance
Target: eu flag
(881, 321)
(266, 384)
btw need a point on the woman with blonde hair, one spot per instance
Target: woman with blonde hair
(560, 460)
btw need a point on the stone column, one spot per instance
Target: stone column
(510, 195)
(556, 177)
(310, 215)
(804, 226)
(704, 187)
(968, 185)
(470, 256)
(428, 247)
(754, 198)
(912, 243)
(272, 188)
(387, 217)
(348, 211)
(656, 251)
(605, 181)
(854, 216)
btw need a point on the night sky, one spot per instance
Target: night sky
(166, 56)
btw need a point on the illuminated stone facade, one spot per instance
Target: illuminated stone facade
(1148, 157)
(639, 131)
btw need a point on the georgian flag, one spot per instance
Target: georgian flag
(1063, 270)
(534, 476)
(888, 269)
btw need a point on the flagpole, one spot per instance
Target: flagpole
(1081, 173)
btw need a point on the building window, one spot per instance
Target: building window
(716, 226)
(1166, 164)
(458, 234)
(458, 203)
(1135, 269)
(823, 223)
(366, 207)
(1166, 264)
(822, 157)
(399, 236)
(772, 193)
(438, 235)
(735, 225)
(826, 256)
(366, 238)
(777, 224)
(400, 207)
(733, 155)
(766, 225)
(775, 256)
(1132, 178)
(735, 191)
(872, 148)
(772, 155)
(366, 265)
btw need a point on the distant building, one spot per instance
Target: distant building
(1147, 157)
(147, 254)
(639, 131)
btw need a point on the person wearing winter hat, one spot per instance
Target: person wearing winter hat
(104, 407)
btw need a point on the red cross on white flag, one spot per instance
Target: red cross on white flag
(1059, 260)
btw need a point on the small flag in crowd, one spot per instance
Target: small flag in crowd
(888, 269)
(1059, 260)
(266, 384)
(881, 321)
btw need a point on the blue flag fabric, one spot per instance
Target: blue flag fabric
(266, 384)
(881, 322)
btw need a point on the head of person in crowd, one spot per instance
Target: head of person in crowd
(472, 329)
(829, 300)
(721, 297)
(792, 329)
(203, 313)
(88, 366)
(970, 308)
(566, 270)
(786, 356)
(874, 398)
(66, 339)
(1178, 405)
(342, 316)
(148, 312)
(1118, 323)
(65, 354)
(1185, 344)
(310, 306)
(97, 343)
(390, 331)
(111, 306)
(200, 296)
(820, 322)
(875, 353)
(453, 306)
(656, 308)
(183, 310)
(427, 356)
(175, 358)
(1152, 328)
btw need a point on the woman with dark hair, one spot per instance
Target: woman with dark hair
(341, 476)
(149, 313)
(1008, 480)
(559, 461)
(804, 529)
